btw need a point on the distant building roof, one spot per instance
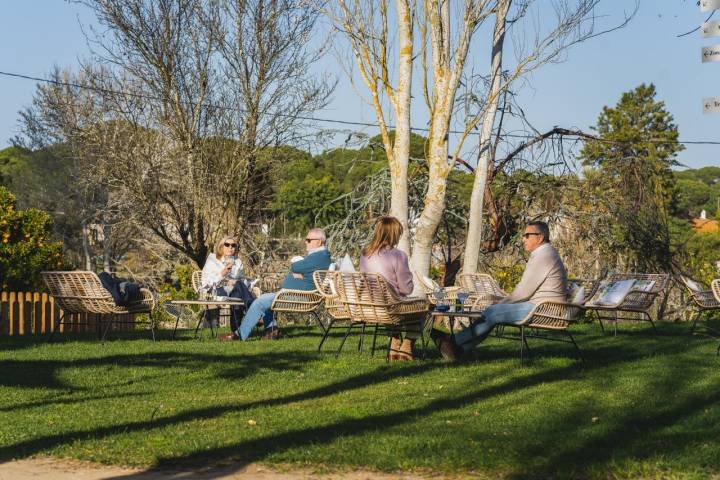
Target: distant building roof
(704, 225)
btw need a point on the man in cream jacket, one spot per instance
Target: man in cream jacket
(544, 279)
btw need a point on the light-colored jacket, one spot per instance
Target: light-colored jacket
(544, 278)
(393, 265)
(213, 266)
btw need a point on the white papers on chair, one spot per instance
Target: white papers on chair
(611, 293)
(346, 264)
(644, 285)
(222, 298)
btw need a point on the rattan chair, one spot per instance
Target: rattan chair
(702, 300)
(338, 314)
(82, 292)
(549, 317)
(369, 300)
(299, 302)
(637, 303)
(483, 289)
(715, 287)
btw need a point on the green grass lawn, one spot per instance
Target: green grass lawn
(647, 405)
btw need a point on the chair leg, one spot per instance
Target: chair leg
(325, 336)
(342, 343)
(522, 344)
(152, 326)
(201, 319)
(577, 348)
(372, 350)
(651, 321)
(695, 321)
(177, 321)
(599, 319)
(109, 324)
(323, 328)
(361, 342)
(57, 326)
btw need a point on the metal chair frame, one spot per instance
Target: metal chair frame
(635, 302)
(551, 317)
(701, 301)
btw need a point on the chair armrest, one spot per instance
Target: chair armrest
(715, 286)
(552, 315)
(300, 301)
(479, 302)
(410, 305)
(145, 303)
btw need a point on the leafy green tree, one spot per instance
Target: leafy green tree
(310, 202)
(26, 247)
(693, 197)
(635, 152)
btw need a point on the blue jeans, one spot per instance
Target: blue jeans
(508, 313)
(259, 308)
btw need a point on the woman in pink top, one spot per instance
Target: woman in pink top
(381, 256)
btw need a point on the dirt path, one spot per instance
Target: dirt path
(45, 468)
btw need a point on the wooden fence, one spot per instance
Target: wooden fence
(34, 313)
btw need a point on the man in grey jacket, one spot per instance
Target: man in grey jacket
(544, 279)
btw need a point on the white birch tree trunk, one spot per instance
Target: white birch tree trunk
(401, 148)
(477, 198)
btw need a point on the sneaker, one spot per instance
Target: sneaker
(229, 337)
(272, 333)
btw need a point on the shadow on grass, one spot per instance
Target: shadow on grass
(380, 375)
(14, 373)
(553, 453)
(60, 400)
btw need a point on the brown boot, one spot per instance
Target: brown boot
(394, 348)
(406, 350)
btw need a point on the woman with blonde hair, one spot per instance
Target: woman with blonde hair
(382, 256)
(224, 270)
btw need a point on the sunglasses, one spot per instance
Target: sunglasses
(308, 240)
(529, 234)
(230, 245)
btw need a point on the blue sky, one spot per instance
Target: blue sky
(38, 34)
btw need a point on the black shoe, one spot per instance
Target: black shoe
(449, 350)
(436, 336)
(272, 333)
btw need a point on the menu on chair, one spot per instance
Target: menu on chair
(611, 292)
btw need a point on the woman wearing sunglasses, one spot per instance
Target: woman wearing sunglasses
(223, 269)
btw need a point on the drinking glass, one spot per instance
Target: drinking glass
(439, 295)
(462, 295)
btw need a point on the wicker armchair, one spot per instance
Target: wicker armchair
(484, 290)
(299, 302)
(702, 300)
(82, 292)
(549, 317)
(369, 300)
(336, 311)
(637, 303)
